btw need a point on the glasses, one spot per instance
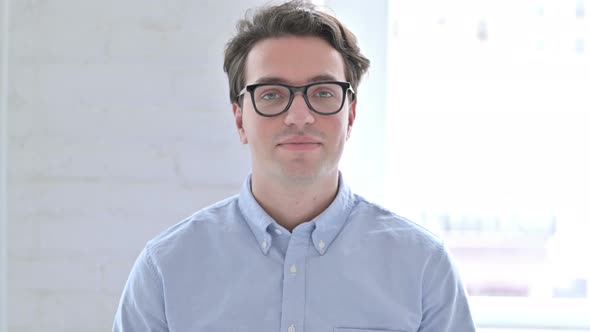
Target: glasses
(272, 99)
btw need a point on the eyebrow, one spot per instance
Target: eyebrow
(271, 79)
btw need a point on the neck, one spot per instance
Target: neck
(291, 203)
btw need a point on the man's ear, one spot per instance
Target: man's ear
(237, 110)
(351, 117)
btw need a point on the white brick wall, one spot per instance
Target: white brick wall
(118, 126)
(4, 24)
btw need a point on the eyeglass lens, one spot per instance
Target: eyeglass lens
(323, 98)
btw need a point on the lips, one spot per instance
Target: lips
(299, 140)
(299, 143)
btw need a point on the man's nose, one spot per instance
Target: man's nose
(299, 113)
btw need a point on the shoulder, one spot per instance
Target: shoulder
(380, 222)
(196, 230)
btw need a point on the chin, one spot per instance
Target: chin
(305, 174)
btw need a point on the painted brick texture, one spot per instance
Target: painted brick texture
(119, 126)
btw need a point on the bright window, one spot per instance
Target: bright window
(487, 143)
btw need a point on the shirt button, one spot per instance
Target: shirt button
(264, 244)
(291, 328)
(322, 244)
(293, 270)
(278, 231)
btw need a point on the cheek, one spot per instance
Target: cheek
(257, 129)
(248, 123)
(344, 126)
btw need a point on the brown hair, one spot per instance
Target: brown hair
(299, 18)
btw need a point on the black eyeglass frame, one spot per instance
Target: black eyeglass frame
(346, 86)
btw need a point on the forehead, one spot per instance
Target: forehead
(294, 60)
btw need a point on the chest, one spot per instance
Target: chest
(297, 293)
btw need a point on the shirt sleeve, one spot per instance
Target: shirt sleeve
(444, 300)
(141, 308)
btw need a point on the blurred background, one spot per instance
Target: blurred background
(115, 124)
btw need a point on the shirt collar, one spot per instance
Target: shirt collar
(327, 224)
(332, 219)
(255, 216)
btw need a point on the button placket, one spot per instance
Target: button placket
(294, 280)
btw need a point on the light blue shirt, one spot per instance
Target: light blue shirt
(356, 267)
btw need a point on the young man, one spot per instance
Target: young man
(296, 250)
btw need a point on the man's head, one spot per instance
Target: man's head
(297, 127)
(294, 18)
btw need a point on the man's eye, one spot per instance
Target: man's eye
(324, 94)
(270, 96)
